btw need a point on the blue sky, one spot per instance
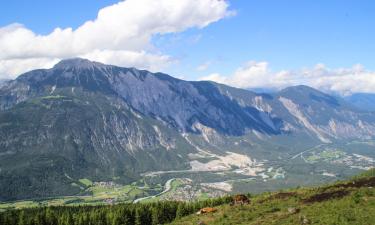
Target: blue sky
(288, 35)
(42, 16)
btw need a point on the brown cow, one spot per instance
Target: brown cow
(240, 199)
(206, 210)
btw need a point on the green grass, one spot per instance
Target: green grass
(54, 97)
(86, 182)
(325, 155)
(125, 193)
(203, 196)
(175, 184)
(19, 205)
(355, 206)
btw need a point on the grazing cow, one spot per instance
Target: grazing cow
(206, 210)
(240, 199)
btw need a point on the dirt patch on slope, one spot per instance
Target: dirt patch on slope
(326, 193)
(280, 195)
(326, 196)
(364, 182)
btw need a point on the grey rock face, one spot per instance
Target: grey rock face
(176, 102)
(87, 119)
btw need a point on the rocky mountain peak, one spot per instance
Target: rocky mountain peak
(301, 89)
(77, 63)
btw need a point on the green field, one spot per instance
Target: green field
(326, 155)
(96, 195)
(54, 97)
(174, 185)
(86, 182)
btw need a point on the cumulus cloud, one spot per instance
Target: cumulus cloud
(11, 67)
(344, 81)
(121, 34)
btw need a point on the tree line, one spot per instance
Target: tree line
(121, 214)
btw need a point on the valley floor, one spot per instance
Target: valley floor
(221, 175)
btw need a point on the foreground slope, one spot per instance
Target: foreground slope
(349, 202)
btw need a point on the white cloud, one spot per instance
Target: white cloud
(11, 67)
(342, 80)
(141, 59)
(121, 34)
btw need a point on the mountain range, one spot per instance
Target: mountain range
(83, 119)
(364, 101)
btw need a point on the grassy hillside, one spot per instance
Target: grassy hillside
(349, 202)
(345, 202)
